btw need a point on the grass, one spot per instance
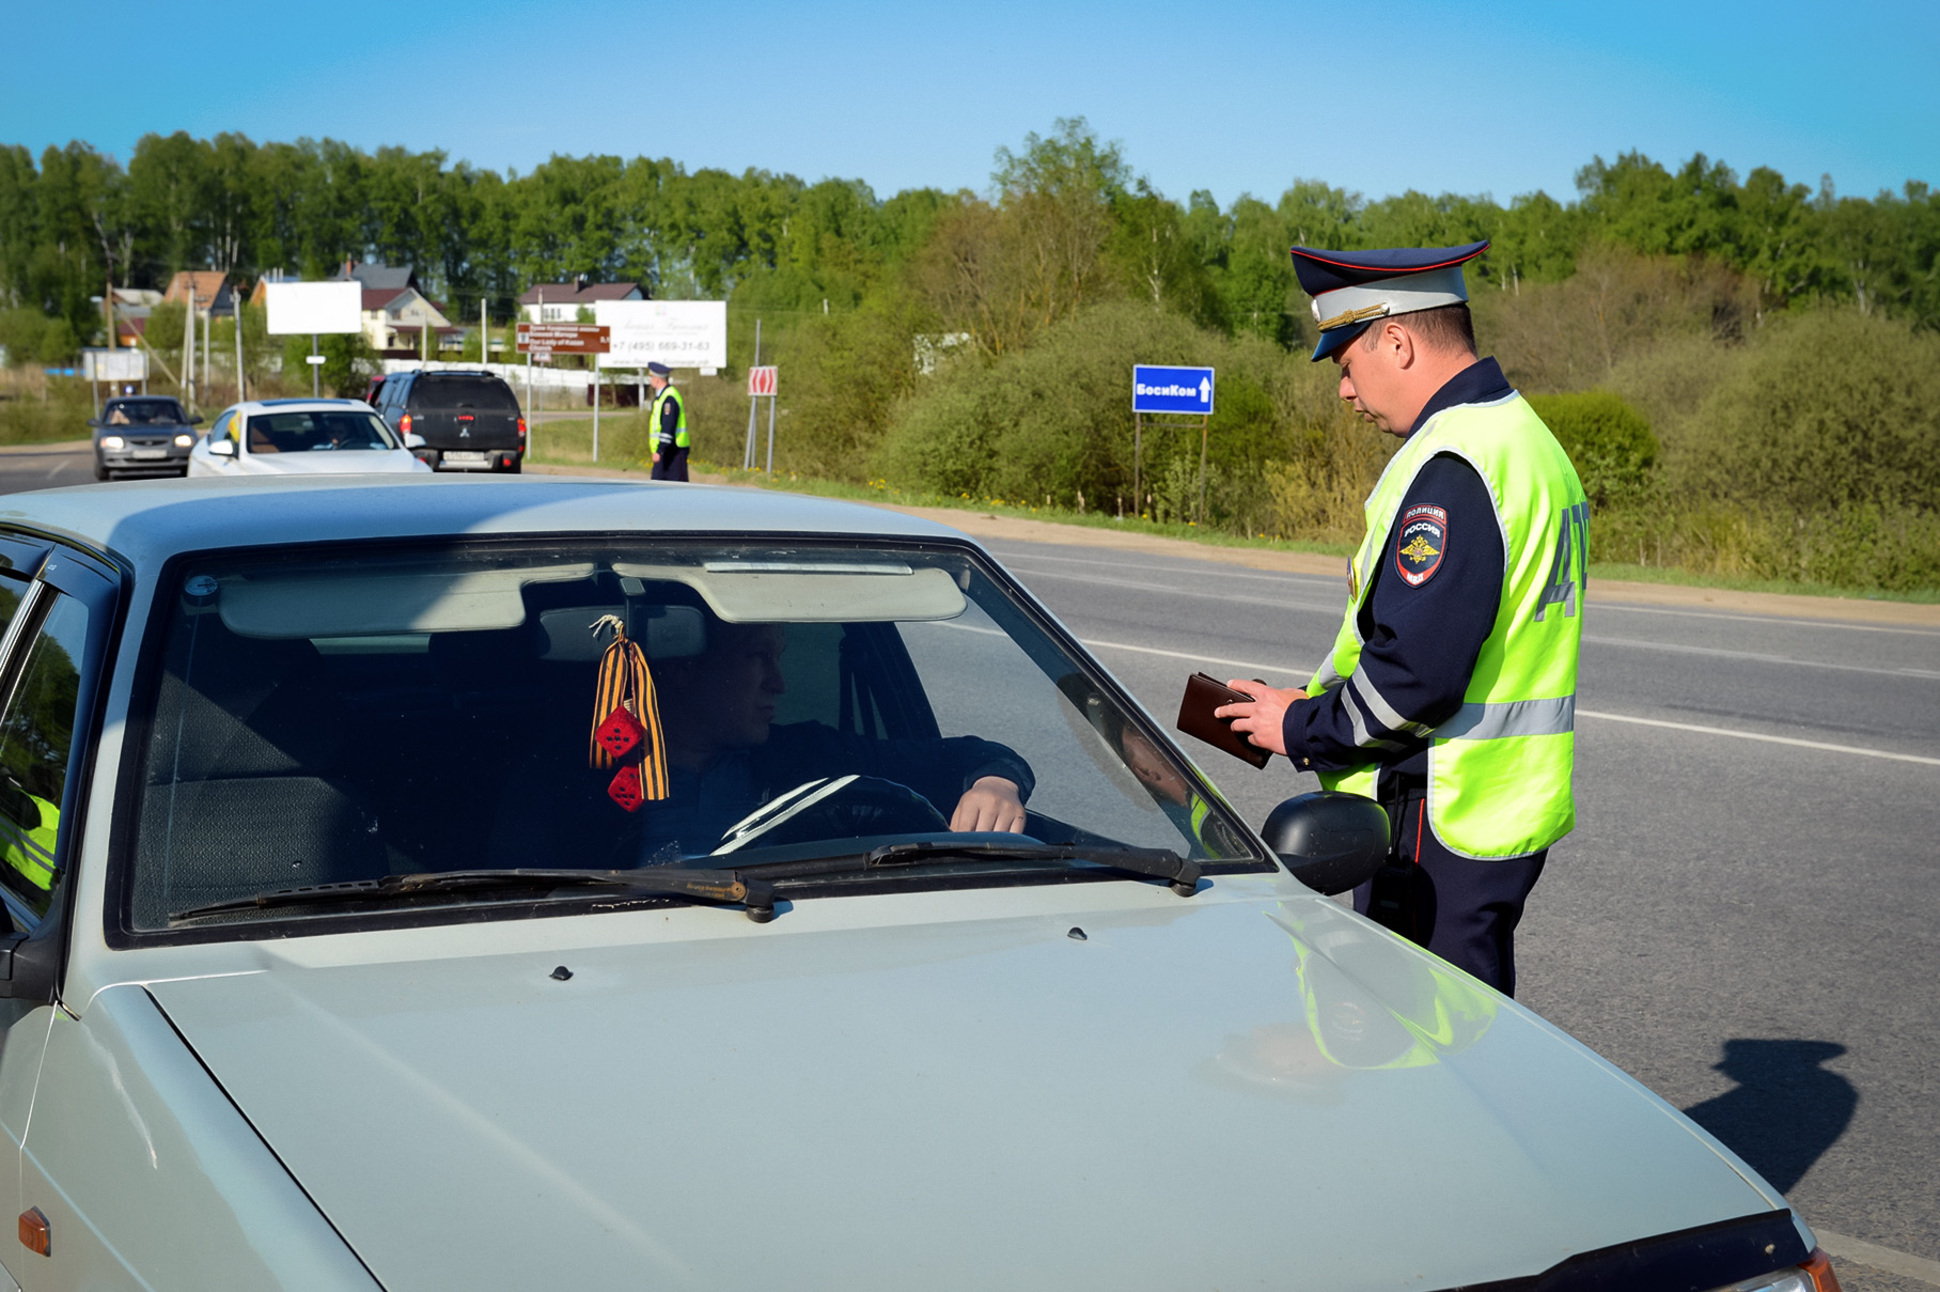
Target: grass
(1670, 575)
(28, 418)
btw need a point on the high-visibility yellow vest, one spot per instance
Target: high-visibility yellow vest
(1499, 770)
(665, 394)
(31, 851)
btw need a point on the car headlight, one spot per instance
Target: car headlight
(1814, 1276)
(113, 442)
(184, 441)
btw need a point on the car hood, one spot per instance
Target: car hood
(1214, 1093)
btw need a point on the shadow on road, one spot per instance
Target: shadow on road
(1786, 1110)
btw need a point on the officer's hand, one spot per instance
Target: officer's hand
(655, 458)
(1260, 718)
(991, 803)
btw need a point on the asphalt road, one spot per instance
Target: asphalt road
(1746, 926)
(1746, 922)
(45, 466)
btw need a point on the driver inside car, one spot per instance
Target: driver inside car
(727, 757)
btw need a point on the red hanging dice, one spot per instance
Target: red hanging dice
(620, 732)
(626, 789)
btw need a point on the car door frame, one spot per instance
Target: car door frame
(33, 964)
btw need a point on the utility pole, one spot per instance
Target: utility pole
(239, 351)
(484, 334)
(208, 326)
(747, 455)
(188, 349)
(596, 408)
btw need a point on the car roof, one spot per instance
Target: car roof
(145, 523)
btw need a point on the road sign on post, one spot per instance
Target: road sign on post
(547, 339)
(762, 384)
(1172, 390)
(543, 340)
(1161, 390)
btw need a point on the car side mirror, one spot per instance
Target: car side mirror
(196, 420)
(222, 448)
(94, 421)
(413, 441)
(1330, 841)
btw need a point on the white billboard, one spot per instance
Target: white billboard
(306, 308)
(680, 334)
(115, 365)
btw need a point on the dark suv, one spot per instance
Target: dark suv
(469, 421)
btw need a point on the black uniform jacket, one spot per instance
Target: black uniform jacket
(1421, 636)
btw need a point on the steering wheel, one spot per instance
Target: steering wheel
(841, 807)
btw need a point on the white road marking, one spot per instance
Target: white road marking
(1759, 735)
(1222, 571)
(1692, 727)
(1861, 1252)
(1330, 608)
(1200, 659)
(1681, 649)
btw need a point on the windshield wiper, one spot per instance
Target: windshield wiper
(724, 886)
(1151, 863)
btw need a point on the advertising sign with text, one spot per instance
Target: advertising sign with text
(680, 334)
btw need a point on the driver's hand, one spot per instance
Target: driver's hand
(992, 803)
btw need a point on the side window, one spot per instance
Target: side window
(36, 738)
(224, 429)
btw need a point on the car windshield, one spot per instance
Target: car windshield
(142, 412)
(318, 429)
(320, 720)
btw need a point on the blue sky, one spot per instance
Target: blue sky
(1496, 98)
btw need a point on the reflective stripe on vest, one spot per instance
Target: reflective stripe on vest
(1499, 770)
(680, 416)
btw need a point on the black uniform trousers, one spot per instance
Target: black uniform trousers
(671, 466)
(1463, 910)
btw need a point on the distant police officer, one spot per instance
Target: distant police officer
(669, 422)
(1450, 691)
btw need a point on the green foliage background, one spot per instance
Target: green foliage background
(1742, 366)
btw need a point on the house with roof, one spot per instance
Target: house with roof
(212, 293)
(562, 302)
(132, 306)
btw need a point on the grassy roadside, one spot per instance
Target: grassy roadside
(571, 444)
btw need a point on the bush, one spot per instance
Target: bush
(348, 363)
(1609, 442)
(1055, 420)
(1833, 411)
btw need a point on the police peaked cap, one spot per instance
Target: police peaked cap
(659, 369)
(1353, 288)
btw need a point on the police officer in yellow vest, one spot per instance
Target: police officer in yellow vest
(29, 826)
(1450, 692)
(668, 422)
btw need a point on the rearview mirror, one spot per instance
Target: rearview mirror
(1330, 841)
(222, 448)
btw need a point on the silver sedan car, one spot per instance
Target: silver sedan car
(425, 884)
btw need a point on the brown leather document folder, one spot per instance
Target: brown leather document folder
(1203, 695)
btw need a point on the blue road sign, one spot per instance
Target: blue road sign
(1171, 390)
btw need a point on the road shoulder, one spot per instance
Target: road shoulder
(1016, 529)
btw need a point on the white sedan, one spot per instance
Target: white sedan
(302, 437)
(427, 884)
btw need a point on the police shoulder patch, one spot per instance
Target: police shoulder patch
(1420, 540)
